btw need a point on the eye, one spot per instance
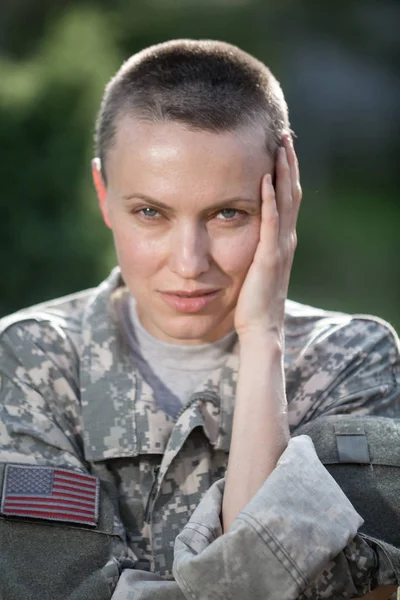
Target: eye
(149, 213)
(228, 214)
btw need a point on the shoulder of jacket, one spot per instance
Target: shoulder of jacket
(63, 313)
(303, 322)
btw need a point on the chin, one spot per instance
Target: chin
(196, 329)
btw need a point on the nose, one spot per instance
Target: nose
(189, 250)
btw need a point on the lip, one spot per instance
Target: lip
(191, 293)
(189, 302)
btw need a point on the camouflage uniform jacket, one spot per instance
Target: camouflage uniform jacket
(70, 397)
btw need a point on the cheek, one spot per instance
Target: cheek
(137, 255)
(235, 254)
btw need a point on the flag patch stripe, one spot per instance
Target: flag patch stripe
(71, 482)
(28, 501)
(50, 493)
(42, 504)
(51, 511)
(60, 489)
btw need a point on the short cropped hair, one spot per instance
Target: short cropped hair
(207, 85)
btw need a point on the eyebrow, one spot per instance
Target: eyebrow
(158, 204)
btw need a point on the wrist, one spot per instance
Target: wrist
(264, 356)
(270, 340)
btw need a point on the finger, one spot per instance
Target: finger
(269, 231)
(284, 199)
(287, 142)
(294, 175)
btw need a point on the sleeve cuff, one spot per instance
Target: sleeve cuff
(298, 521)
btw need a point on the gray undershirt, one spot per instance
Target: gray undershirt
(173, 371)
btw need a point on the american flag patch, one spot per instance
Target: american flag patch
(50, 493)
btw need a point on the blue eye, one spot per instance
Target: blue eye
(228, 213)
(149, 212)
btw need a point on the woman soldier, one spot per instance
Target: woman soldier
(144, 431)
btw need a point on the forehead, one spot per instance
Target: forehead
(171, 155)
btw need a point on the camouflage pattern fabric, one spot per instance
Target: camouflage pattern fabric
(70, 396)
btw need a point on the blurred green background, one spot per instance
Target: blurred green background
(338, 64)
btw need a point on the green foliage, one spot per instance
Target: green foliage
(52, 239)
(55, 59)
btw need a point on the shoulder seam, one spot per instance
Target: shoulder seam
(17, 320)
(392, 333)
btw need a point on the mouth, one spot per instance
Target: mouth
(189, 302)
(192, 293)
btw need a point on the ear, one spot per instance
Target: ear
(101, 190)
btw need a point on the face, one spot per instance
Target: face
(185, 209)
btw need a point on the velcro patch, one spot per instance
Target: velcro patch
(50, 493)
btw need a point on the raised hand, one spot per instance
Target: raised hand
(260, 431)
(261, 304)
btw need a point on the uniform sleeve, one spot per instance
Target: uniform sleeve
(356, 370)
(297, 538)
